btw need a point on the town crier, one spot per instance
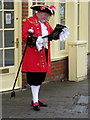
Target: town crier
(36, 63)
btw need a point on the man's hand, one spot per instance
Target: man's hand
(31, 41)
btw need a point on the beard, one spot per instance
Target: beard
(43, 20)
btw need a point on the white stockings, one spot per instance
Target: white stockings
(35, 92)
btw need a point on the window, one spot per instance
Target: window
(78, 22)
(38, 2)
(7, 47)
(62, 13)
(62, 21)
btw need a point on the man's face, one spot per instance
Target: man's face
(43, 16)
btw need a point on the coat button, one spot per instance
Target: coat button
(37, 64)
(35, 50)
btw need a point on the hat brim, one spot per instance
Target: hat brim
(37, 8)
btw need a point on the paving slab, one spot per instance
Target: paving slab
(60, 97)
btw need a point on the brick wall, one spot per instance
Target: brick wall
(24, 9)
(24, 16)
(59, 69)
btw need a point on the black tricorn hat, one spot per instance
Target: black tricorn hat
(44, 8)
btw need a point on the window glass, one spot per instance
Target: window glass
(9, 57)
(34, 3)
(62, 45)
(8, 4)
(9, 38)
(62, 13)
(62, 21)
(0, 19)
(61, 1)
(40, 3)
(1, 58)
(40, 0)
(8, 19)
(0, 39)
(0, 4)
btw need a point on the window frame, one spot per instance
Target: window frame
(3, 29)
(30, 13)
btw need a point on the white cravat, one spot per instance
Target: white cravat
(44, 29)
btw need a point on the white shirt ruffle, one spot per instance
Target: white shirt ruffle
(40, 40)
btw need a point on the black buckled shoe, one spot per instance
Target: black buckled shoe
(36, 106)
(42, 104)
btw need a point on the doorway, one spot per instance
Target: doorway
(10, 38)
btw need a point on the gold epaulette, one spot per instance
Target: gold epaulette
(24, 20)
(33, 20)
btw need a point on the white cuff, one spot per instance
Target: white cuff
(31, 31)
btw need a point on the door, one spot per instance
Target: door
(9, 44)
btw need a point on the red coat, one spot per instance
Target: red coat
(34, 60)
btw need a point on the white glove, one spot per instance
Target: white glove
(39, 43)
(64, 34)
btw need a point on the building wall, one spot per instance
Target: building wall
(77, 18)
(59, 68)
(89, 27)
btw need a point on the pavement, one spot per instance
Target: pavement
(65, 99)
